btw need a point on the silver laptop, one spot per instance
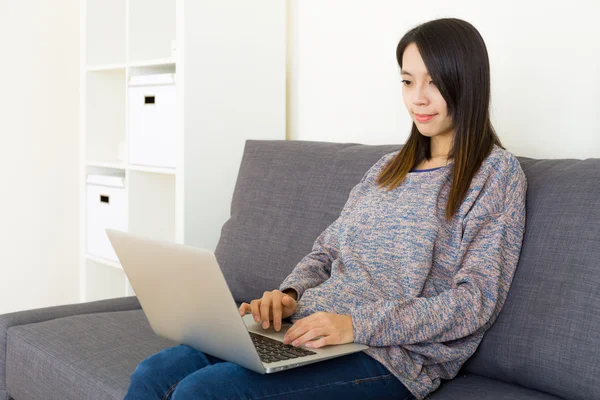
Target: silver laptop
(186, 299)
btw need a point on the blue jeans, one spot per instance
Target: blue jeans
(181, 372)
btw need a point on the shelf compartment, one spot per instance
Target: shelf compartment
(152, 205)
(105, 32)
(105, 116)
(152, 69)
(151, 29)
(102, 282)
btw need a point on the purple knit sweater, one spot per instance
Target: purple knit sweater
(421, 290)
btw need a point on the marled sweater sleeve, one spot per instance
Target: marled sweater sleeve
(315, 267)
(491, 248)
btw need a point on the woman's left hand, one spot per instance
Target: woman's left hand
(334, 329)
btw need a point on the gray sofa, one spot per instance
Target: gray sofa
(544, 345)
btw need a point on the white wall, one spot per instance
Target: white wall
(39, 150)
(344, 84)
(233, 80)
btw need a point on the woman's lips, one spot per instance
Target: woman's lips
(424, 117)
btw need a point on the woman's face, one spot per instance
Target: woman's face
(422, 98)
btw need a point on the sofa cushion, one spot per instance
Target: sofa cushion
(79, 357)
(45, 314)
(286, 194)
(474, 387)
(547, 336)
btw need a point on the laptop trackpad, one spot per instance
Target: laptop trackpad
(270, 332)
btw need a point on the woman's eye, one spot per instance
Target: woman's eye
(408, 83)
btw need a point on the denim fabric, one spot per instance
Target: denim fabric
(181, 372)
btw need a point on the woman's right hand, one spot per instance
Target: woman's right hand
(273, 306)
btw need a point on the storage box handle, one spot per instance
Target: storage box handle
(104, 199)
(150, 100)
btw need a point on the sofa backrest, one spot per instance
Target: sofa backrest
(547, 336)
(286, 194)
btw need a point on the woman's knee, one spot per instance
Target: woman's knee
(159, 372)
(166, 359)
(143, 382)
(222, 381)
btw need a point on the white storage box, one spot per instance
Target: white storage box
(106, 208)
(152, 119)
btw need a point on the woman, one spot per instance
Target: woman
(418, 264)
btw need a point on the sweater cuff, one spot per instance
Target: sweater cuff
(360, 326)
(298, 290)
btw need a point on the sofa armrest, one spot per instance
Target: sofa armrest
(49, 313)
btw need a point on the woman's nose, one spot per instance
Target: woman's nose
(419, 96)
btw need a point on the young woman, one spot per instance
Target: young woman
(418, 264)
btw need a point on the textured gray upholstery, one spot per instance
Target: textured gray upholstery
(49, 313)
(474, 387)
(88, 356)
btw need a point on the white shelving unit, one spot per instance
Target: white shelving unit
(123, 38)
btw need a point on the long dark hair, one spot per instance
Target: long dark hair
(456, 58)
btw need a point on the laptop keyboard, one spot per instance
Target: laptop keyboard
(271, 350)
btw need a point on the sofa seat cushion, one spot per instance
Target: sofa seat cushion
(81, 357)
(475, 387)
